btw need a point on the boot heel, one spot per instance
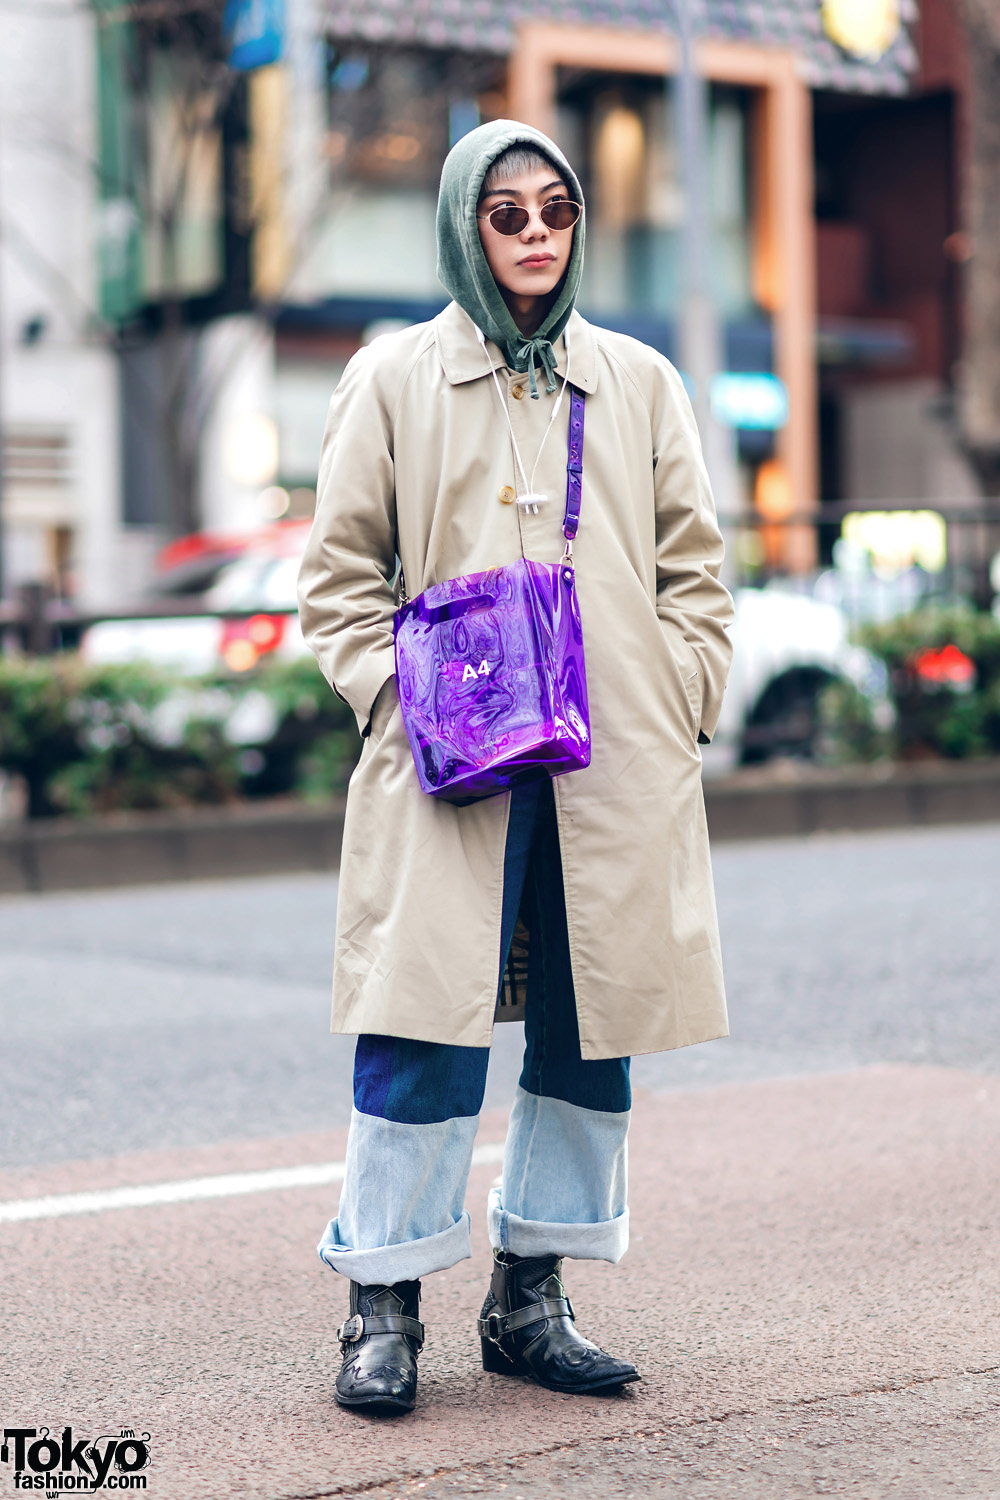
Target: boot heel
(496, 1361)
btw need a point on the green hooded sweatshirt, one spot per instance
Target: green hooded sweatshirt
(462, 267)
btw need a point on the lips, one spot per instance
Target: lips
(537, 260)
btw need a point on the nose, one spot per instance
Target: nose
(536, 227)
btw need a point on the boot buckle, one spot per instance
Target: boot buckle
(492, 1327)
(351, 1330)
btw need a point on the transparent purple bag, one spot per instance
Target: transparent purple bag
(490, 668)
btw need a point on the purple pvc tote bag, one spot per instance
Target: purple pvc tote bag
(490, 668)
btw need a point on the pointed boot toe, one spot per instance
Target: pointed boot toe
(527, 1328)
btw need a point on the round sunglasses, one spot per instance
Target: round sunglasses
(561, 213)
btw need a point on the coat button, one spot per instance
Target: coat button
(517, 391)
(507, 495)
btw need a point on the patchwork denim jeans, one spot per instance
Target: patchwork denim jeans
(416, 1108)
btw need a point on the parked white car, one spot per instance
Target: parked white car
(257, 585)
(788, 648)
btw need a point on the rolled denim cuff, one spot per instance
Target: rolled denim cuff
(607, 1240)
(403, 1262)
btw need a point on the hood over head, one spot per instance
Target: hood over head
(462, 267)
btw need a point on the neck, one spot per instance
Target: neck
(528, 312)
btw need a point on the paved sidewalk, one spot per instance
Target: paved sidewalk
(937, 1438)
(812, 1294)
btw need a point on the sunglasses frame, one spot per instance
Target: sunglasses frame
(553, 203)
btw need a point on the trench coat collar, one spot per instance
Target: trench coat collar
(462, 353)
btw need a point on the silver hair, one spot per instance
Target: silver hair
(517, 161)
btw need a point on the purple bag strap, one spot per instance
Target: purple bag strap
(574, 466)
(574, 483)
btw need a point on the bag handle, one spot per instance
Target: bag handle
(574, 474)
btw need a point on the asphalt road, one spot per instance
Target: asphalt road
(176, 1016)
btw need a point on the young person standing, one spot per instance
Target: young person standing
(434, 436)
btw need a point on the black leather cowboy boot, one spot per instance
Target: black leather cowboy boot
(526, 1328)
(380, 1342)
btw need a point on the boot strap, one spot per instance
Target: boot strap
(358, 1327)
(495, 1325)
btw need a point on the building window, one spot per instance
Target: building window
(40, 505)
(621, 135)
(392, 115)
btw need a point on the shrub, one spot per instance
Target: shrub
(944, 689)
(90, 739)
(852, 726)
(314, 744)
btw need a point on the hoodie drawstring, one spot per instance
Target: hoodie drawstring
(542, 350)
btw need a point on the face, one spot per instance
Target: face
(529, 264)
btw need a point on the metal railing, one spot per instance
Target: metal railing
(34, 620)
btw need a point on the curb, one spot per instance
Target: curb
(143, 848)
(760, 804)
(287, 837)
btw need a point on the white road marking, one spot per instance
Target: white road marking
(190, 1189)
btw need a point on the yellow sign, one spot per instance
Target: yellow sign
(897, 539)
(865, 28)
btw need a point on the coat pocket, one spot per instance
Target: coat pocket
(685, 660)
(383, 709)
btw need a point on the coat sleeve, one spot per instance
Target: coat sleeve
(346, 598)
(689, 548)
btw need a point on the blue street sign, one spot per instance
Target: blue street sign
(755, 401)
(254, 31)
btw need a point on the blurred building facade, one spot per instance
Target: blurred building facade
(62, 483)
(192, 250)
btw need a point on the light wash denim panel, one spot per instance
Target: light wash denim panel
(565, 1182)
(402, 1207)
(566, 1164)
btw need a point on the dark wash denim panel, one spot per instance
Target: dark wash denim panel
(426, 1083)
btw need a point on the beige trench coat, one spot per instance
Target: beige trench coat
(417, 456)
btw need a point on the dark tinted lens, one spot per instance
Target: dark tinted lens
(508, 219)
(561, 214)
